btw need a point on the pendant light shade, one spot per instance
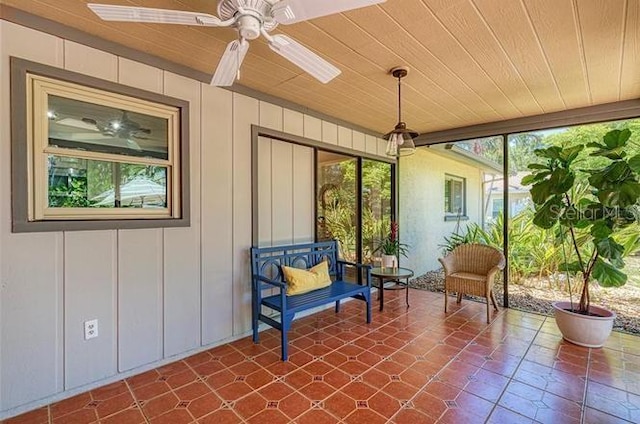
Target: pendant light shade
(400, 140)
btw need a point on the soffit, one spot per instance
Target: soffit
(472, 61)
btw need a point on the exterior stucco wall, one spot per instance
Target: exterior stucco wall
(421, 196)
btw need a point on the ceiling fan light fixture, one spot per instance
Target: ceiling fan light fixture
(400, 139)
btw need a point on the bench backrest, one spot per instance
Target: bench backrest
(267, 261)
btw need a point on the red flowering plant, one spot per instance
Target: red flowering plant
(390, 245)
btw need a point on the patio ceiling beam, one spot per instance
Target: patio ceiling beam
(626, 109)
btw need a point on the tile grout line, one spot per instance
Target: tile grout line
(317, 330)
(214, 391)
(432, 378)
(138, 403)
(302, 367)
(515, 371)
(331, 351)
(583, 411)
(401, 328)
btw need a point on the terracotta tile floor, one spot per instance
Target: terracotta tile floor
(409, 366)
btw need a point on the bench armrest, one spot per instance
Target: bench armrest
(264, 279)
(367, 269)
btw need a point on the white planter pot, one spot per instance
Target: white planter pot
(584, 330)
(389, 261)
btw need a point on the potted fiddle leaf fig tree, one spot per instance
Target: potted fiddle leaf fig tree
(587, 194)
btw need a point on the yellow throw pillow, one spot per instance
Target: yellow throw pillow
(301, 281)
(322, 270)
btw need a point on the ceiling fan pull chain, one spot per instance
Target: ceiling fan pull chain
(242, 42)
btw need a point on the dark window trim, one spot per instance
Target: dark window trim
(450, 216)
(29, 20)
(258, 131)
(19, 148)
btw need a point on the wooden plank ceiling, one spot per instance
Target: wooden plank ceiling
(471, 61)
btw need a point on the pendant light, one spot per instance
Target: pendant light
(400, 140)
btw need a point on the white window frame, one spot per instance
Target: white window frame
(38, 89)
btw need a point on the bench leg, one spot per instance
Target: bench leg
(368, 300)
(256, 335)
(284, 338)
(337, 306)
(254, 323)
(284, 346)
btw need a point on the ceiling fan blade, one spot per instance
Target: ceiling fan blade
(301, 56)
(108, 12)
(133, 145)
(88, 124)
(292, 11)
(230, 62)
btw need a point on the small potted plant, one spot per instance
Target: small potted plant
(391, 248)
(588, 200)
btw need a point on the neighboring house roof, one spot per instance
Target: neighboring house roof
(463, 155)
(515, 183)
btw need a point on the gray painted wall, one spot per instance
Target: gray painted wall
(158, 294)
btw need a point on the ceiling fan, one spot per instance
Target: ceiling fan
(122, 130)
(251, 18)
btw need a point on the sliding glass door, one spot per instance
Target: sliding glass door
(336, 204)
(377, 206)
(354, 203)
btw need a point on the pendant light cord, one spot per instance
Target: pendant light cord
(399, 99)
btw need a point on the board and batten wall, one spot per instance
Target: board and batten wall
(158, 294)
(285, 193)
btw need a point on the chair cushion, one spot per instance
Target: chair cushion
(302, 281)
(468, 276)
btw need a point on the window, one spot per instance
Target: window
(497, 206)
(454, 196)
(97, 155)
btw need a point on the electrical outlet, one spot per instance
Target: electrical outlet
(90, 329)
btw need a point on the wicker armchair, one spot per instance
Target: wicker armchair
(471, 269)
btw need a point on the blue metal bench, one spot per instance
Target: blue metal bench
(266, 272)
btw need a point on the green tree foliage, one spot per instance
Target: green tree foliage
(590, 218)
(92, 178)
(536, 251)
(337, 205)
(72, 194)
